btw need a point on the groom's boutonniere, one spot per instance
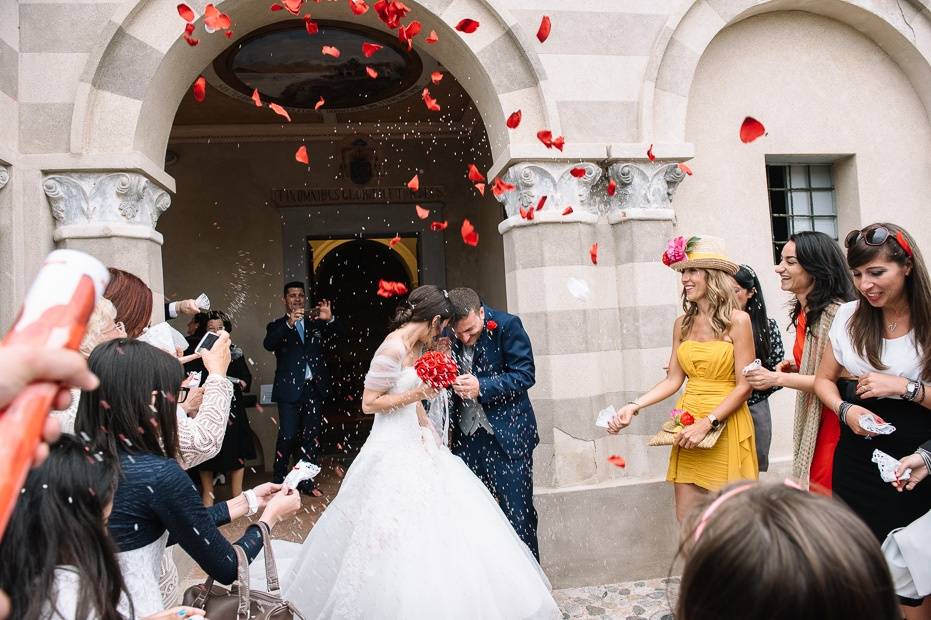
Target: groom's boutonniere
(491, 325)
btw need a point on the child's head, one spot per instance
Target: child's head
(773, 551)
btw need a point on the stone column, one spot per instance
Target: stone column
(601, 335)
(111, 215)
(7, 252)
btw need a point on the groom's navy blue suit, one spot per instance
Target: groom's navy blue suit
(503, 365)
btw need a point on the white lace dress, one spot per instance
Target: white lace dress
(413, 534)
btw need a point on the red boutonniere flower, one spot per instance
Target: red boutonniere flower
(491, 325)
(437, 369)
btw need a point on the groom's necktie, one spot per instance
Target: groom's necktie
(473, 415)
(299, 325)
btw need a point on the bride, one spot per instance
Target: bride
(413, 533)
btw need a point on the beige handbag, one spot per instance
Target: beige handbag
(667, 435)
(239, 602)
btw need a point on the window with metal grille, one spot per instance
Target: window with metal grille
(801, 197)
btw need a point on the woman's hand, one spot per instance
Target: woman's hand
(852, 419)
(622, 418)
(217, 358)
(281, 506)
(693, 434)
(175, 613)
(265, 492)
(919, 472)
(787, 366)
(763, 379)
(878, 385)
(425, 392)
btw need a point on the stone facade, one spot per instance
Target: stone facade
(89, 91)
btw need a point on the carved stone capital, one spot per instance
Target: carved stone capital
(644, 185)
(110, 199)
(534, 180)
(4, 176)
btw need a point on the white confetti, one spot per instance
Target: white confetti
(578, 288)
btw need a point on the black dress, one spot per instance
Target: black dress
(856, 477)
(238, 446)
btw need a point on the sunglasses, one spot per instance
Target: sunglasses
(182, 395)
(876, 236)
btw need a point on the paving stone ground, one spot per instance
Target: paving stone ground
(633, 600)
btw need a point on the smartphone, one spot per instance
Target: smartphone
(206, 342)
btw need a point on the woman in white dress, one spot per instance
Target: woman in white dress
(413, 533)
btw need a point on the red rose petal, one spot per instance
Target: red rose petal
(421, 212)
(530, 213)
(319, 103)
(523, 212)
(499, 187)
(414, 184)
(567, 211)
(481, 188)
(439, 225)
(541, 203)
(186, 13)
(577, 172)
(617, 460)
(358, 7)
(292, 6)
(469, 235)
(544, 31)
(310, 25)
(395, 241)
(612, 187)
(372, 72)
(214, 19)
(276, 7)
(650, 154)
(229, 34)
(329, 50)
(685, 169)
(558, 143)
(256, 99)
(751, 129)
(369, 49)
(467, 26)
(593, 253)
(474, 175)
(432, 38)
(491, 325)
(430, 101)
(387, 288)
(189, 28)
(546, 137)
(277, 109)
(200, 89)
(514, 120)
(190, 40)
(436, 77)
(301, 155)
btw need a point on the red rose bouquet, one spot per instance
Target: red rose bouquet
(437, 369)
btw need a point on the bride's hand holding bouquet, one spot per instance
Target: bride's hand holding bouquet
(437, 370)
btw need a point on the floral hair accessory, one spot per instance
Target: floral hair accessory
(677, 250)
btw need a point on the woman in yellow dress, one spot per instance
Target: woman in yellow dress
(711, 343)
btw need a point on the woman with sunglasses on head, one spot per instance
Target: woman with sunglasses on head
(767, 344)
(814, 271)
(875, 370)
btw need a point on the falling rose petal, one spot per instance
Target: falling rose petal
(372, 72)
(186, 13)
(432, 38)
(593, 253)
(408, 32)
(358, 7)
(612, 187)
(481, 188)
(276, 7)
(499, 187)
(301, 155)
(191, 40)
(436, 77)
(467, 26)
(469, 236)
(474, 175)
(292, 6)
(256, 99)
(514, 120)
(229, 34)
(546, 137)
(530, 213)
(558, 143)
(439, 225)
(430, 102)
(523, 212)
(541, 203)
(685, 169)
(577, 172)
(310, 25)
(543, 32)
(319, 103)
(395, 241)
(750, 130)
(215, 20)
(369, 49)
(280, 111)
(414, 184)
(387, 288)
(200, 89)
(329, 50)
(189, 28)
(421, 212)
(650, 154)
(567, 211)
(617, 460)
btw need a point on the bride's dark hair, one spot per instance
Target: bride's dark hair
(424, 303)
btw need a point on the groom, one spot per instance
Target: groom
(494, 429)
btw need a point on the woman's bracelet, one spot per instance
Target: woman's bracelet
(253, 502)
(842, 412)
(925, 456)
(636, 404)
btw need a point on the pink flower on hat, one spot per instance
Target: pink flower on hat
(675, 251)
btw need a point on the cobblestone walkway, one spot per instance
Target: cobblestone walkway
(633, 600)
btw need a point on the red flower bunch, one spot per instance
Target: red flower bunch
(437, 369)
(681, 417)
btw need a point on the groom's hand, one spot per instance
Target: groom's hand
(466, 386)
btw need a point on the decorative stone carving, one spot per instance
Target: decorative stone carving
(4, 176)
(83, 198)
(644, 185)
(534, 180)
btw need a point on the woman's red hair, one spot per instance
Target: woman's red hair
(132, 299)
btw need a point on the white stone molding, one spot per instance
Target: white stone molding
(4, 176)
(118, 203)
(533, 180)
(644, 185)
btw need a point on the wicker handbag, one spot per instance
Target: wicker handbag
(667, 435)
(239, 602)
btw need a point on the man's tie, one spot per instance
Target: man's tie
(300, 332)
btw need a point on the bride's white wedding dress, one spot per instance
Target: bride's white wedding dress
(414, 534)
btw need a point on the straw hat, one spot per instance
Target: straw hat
(704, 252)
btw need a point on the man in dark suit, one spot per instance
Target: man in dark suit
(494, 428)
(302, 381)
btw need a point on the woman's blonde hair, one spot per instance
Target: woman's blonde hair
(720, 294)
(104, 314)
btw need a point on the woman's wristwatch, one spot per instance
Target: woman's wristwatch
(911, 390)
(715, 422)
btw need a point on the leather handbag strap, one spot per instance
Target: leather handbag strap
(242, 583)
(271, 569)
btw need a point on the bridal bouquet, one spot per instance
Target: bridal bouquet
(437, 369)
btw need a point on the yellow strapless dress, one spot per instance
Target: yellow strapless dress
(710, 370)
